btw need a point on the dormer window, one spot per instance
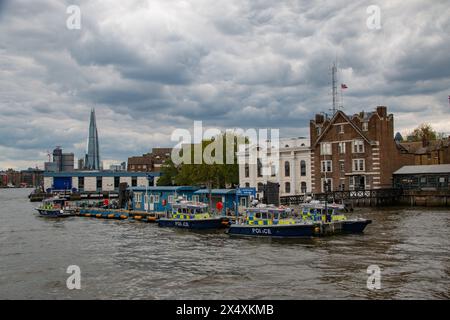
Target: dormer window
(365, 126)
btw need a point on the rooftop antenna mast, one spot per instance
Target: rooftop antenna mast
(334, 87)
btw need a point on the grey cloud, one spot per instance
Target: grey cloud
(151, 67)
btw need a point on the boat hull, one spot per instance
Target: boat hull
(275, 231)
(355, 226)
(52, 213)
(212, 223)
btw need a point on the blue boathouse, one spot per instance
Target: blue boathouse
(159, 198)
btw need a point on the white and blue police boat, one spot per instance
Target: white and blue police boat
(273, 222)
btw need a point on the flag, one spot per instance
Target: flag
(344, 86)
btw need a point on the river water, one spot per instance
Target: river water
(134, 260)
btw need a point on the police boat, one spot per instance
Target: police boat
(273, 222)
(192, 215)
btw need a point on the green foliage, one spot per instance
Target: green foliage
(210, 175)
(423, 132)
(168, 174)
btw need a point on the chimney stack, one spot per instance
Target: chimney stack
(319, 118)
(382, 111)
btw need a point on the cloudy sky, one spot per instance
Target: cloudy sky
(149, 67)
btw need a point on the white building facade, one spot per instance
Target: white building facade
(290, 167)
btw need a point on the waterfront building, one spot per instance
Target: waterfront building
(149, 162)
(293, 173)
(92, 158)
(354, 152)
(428, 152)
(423, 177)
(32, 177)
(231, 199)
(161, 198)
(97, 181)
(3, 179)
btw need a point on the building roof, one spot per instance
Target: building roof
(101, 174)
(216, 191)
(424, 169)
(417, 147)
(333, 120)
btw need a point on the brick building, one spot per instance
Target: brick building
(428, 152)
(355, 152)
(149, 162)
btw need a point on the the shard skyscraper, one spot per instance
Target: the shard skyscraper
(92, 159)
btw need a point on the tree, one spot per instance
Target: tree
(423, 132)
(169, 173)
(214, 171)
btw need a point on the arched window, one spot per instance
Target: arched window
(260, 187)
(259, 168)
(303, 187)
(287, 187)
(247, 170)
(303, 168)
(287, 169)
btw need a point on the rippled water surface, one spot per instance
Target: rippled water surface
(133, 260)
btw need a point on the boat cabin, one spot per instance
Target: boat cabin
(189, 210)
(268, 216)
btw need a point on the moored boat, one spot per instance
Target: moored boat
(191, 215)
(273, 222)
(332, 218)
(55, 208)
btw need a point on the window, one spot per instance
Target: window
(138, 197)
(260, 187)
(303, 187)
(342, 187)
(259, 167)
(342, 165)
(319, 130)
(99, 183)
(196, 198)
(365, 126)
(326, 166)
(341, 147)
(358, 146)
(156, 198)
(170, 199)
(303, 168)
(287, 169)
(340, 128)
(80, 183)
(273, 170)
(247, 170)
(287, 187)
(358, 164)
(325, 148)
(247, 185)
(243, 202)
(327, 185)
(133, 181)
(116, 182)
